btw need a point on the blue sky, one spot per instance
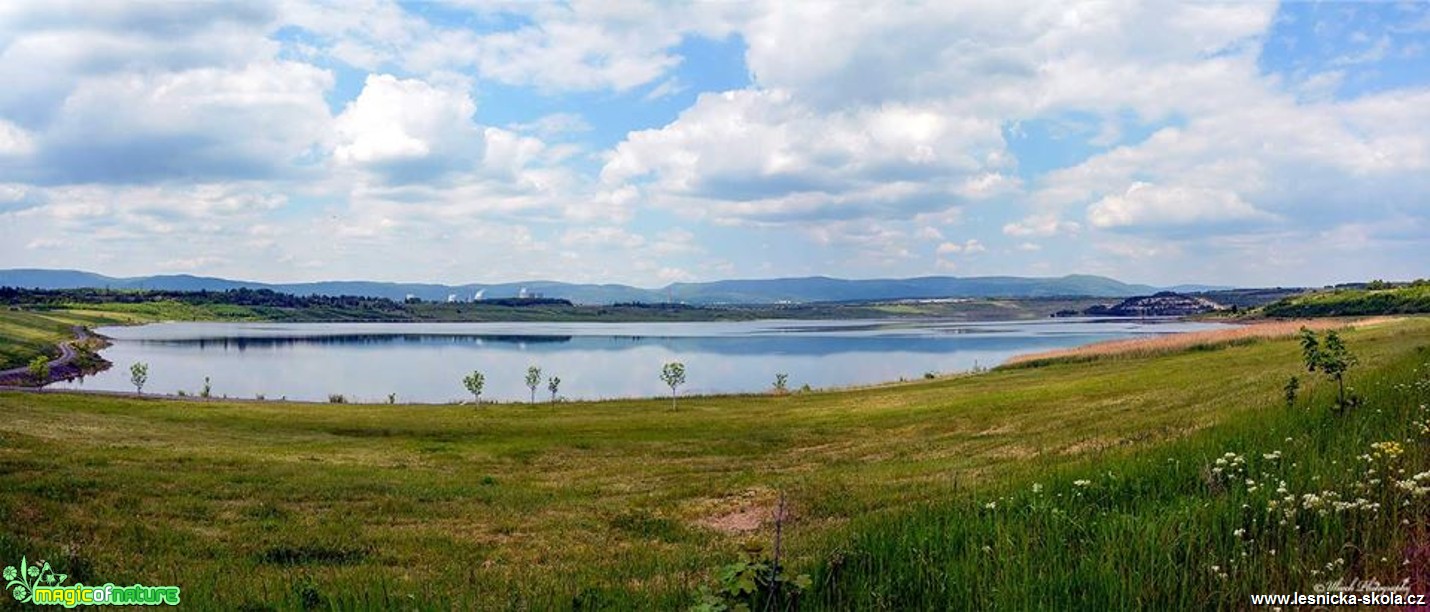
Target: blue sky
(644, 143)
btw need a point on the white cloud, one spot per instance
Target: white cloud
(969, 247)
(1145, 204)
(862, 243)
(867, 133)
(1042, 225)
(47, 49)
(579, 46)
(404, 119)
(760, 156)
(992, 55)
(143, 92)
(14, 141)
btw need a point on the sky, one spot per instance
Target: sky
(458, 141)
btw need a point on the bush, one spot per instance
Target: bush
(40, 370)
(756, 583)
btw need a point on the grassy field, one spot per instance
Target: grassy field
(25, 334)
(1161, 344)
(1414, 298)
(1084, 484)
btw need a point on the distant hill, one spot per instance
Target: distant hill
(824, 289)
(1160, 304)
(762, 291)
(1411, 298)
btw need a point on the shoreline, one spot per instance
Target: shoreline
(85, 346)
(1243, 331)
(1013, 360)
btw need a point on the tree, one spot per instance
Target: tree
(1330, 357)
(1335, 360)
(1310, 349)
(474, 382)
(781, 383)
(552, 384)
(40, 370)
(138, 375)
(533, 380)
(673, 374)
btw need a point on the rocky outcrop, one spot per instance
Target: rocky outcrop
(1163, 304)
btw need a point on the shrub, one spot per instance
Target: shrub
(40, 370)
(753, 584)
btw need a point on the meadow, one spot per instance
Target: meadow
(1171, 479)
(25, 334)
(1377, 298)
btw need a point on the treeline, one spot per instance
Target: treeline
(15, 296)
(655, 306)
(521, 301)
(1377, 299)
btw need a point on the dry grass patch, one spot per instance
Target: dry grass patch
(1146, 347)
(738, 514)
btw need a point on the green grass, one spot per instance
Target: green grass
(1172, 528)
(1410, 299)
(26, 334)
(585, 504)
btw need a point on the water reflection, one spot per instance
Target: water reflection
(425, 362)
(244, 343)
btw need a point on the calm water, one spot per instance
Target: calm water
(425, 362)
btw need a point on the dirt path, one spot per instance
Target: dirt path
(67, 354)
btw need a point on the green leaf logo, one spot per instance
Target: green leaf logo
(21, 581)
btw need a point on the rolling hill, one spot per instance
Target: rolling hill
(760, 291)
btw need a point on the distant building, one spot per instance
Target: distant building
(451, 298)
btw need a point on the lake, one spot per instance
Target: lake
(425, 362)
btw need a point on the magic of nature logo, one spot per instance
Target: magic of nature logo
(37, 583)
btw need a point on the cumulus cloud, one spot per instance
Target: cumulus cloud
(408, 125)
(761, 156)
(47, 49)
(1041, 225)
(969, 247)
(257, 121)
(866, 135)
(1148, 205)
(150, 91)
(579, 46)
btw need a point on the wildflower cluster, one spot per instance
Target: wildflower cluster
(1388, 483)
(1421, 422)
(1386, 451)
(1417, 485)
(1229, 468)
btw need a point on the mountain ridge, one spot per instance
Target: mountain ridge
(731, 291)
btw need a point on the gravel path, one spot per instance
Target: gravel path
(67, 354)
